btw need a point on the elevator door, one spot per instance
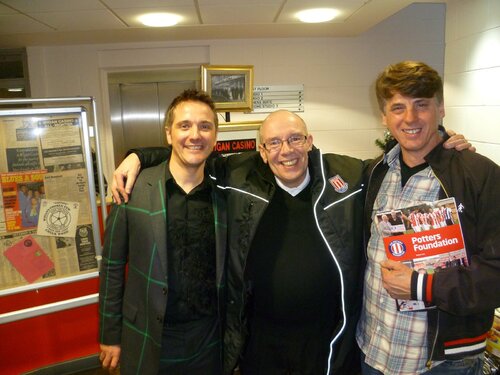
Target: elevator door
(138, 113)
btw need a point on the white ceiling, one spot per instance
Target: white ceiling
(51, 22)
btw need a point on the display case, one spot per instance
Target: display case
(51, 182)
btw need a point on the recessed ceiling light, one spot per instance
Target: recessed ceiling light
(317, 15)
(160, 19)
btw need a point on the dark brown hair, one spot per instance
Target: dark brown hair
(190, 95)
(409, 78)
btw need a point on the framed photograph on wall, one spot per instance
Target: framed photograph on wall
(230, 86)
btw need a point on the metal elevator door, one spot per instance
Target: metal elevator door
(138, 113)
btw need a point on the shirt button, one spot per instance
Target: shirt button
(164, 290)
(378, 329)
(159, 319)
(381, 300)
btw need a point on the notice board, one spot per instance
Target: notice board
(49, 227)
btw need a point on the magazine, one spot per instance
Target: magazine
(22, 193)
(426, 237)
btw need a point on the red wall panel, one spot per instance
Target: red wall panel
(44, 340)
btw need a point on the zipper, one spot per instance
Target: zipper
(429, 361)
(440, 183)
(368, 209)
(244, 290)
(341, 275)
(219, 301)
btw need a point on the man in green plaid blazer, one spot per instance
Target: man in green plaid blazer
(162, 266)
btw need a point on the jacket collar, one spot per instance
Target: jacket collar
(314, 162)
(438, 152)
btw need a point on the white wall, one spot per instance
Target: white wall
(472, 72)
(337, 73)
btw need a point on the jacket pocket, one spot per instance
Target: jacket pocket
(129, 311)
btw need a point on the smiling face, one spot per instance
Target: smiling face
(414, 123)
(192, 135)
(288, 163)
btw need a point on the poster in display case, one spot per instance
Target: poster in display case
(49, 225)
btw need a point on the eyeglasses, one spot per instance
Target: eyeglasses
(293, 141)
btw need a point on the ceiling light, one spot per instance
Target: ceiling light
(317, 15)
(159, 19)
(15, 89)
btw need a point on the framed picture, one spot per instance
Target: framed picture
(230, 86)
(239, 126)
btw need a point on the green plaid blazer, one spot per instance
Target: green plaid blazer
(132, 304)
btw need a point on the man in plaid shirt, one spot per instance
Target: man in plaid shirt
(451, 337)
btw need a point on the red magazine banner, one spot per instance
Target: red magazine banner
(410, 247)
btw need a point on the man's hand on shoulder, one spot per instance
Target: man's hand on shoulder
(458, 142)
(124, 178)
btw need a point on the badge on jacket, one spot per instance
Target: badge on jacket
(338, 184)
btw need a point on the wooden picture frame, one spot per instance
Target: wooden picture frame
(239, 126)
(230, 86)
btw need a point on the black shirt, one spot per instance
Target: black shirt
(407, 172)
(190, 252)
(293, 279)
